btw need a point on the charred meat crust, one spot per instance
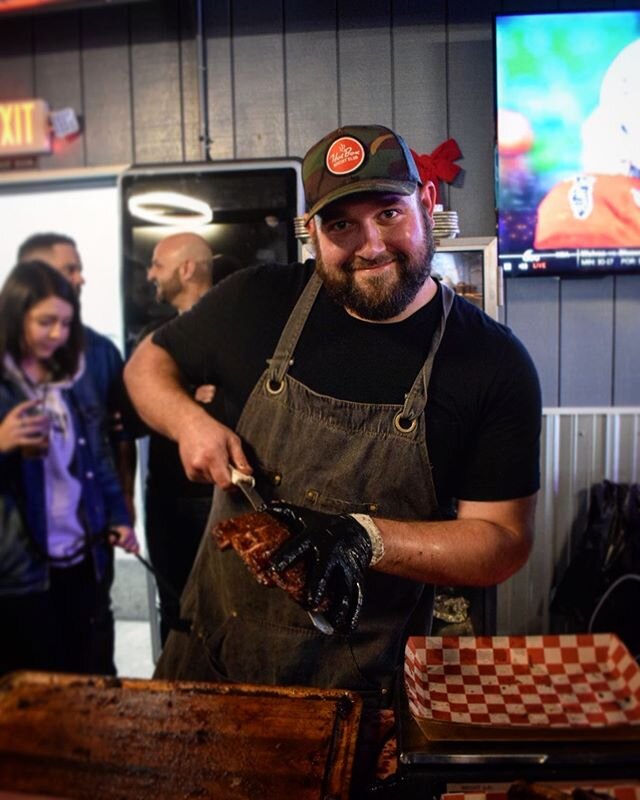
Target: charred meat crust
(255, 537)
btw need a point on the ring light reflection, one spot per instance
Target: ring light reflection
(160, 208)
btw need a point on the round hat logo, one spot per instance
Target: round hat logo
(345, 155)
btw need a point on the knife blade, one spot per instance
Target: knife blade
(247, 485)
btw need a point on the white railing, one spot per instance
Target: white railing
(580, 447)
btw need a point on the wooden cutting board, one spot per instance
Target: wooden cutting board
(97, 737)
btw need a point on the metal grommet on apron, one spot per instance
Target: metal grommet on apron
(274, 388)
(403, 424)
(317, 446)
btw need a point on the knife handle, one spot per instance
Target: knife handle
(238, 477)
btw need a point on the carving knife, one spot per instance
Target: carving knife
(247, 485)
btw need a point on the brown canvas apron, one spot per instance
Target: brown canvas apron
(335, 456)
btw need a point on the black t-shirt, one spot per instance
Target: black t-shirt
(483, 410)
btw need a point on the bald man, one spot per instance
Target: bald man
(181, 269)
(176, 509)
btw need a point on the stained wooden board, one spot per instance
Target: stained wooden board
(79, 737)
(23, 796)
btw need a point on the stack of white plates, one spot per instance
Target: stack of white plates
(445, 224)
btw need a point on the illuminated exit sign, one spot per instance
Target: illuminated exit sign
(24, 128)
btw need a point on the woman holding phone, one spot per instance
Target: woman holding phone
(61, 505)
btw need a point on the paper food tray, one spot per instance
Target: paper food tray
(622, 791)
(523, 687)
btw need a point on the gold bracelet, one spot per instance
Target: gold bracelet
(375, 537)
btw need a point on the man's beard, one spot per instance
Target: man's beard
(380, 299)
(170, 289)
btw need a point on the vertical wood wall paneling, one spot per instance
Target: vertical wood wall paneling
(586, 345)
(188, 44)
(532, 312)
(626, 359)
(58, 79)
(16, 59)
(364, 63)
(471, 114)
(108, 123)
(217, 18)
(155, 59)
(258, 64)
(420, 73)
(311, 73)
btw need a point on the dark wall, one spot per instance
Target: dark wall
(280, 74)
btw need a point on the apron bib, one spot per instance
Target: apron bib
(334, 456)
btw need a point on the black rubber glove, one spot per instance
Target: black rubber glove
(336, 551)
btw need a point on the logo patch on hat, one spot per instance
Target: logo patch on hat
(345, 155)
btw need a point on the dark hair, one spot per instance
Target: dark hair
(41, 241)
(26, 285)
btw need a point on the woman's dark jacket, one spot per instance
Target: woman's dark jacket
(23, 527)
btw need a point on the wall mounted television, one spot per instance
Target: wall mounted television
(568, 143)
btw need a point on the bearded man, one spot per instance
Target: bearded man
(391, 424)
(176, 509)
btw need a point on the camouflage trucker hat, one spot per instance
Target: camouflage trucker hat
(357, 158)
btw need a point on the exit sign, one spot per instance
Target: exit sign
(24, 128)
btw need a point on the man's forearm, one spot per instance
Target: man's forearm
(155, 387)
(481, 550)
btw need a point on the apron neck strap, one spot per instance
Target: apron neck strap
(282, 357)
(416, 399)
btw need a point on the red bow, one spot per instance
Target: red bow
(439, 165)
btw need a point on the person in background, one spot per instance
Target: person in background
(62, 506)
(103, 371)
(104, 361)
(391, 425)
(600, 205)
(176, 509)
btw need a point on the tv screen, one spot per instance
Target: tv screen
(568, 143)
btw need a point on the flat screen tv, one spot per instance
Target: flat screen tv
(568, 143)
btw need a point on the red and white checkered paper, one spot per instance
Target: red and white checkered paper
(575, 681)
(618, 792)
